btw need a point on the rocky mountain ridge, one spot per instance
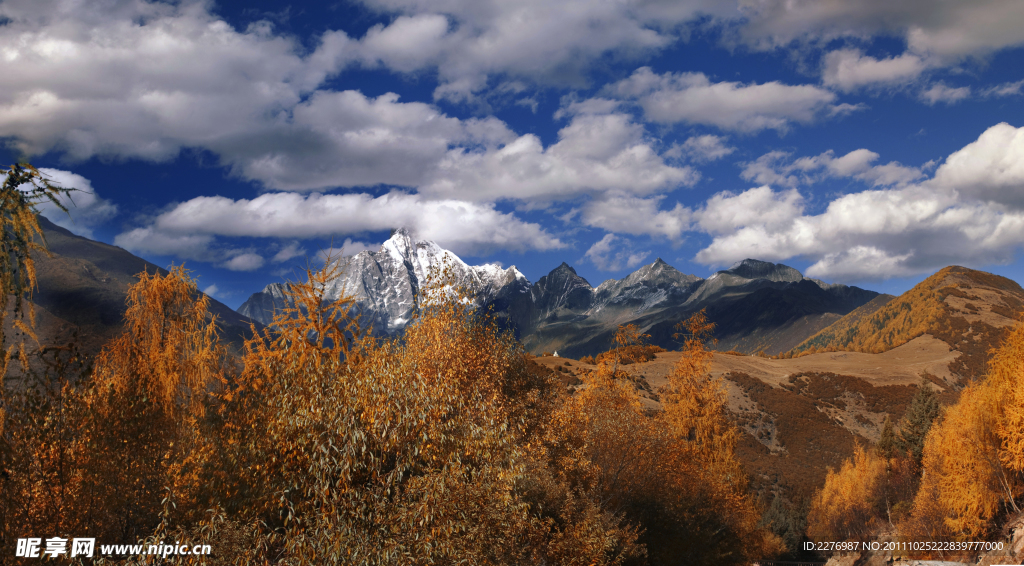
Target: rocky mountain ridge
(758, 305)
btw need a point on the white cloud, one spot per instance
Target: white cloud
(970, 213)
(897, 231)
(190, 228)
(212, 290)
(691, 97)
(634, 215)
(726, 212)
(950, 30)
(352, 247)
(141, 79)
(940, 92)
(850, 69)
(245, 262)
(776, 168)
(537, 40)
(990, 168)
(344, 139)
(613, 253)
(97, 82)
(595, 153)
(1005, 89)
(702, 148)
(408, 43)
(183, 246)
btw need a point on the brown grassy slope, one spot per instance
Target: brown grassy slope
(811, 420)
(967, 309)
(801, 416)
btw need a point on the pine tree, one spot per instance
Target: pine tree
(918, 419)
(887, 441)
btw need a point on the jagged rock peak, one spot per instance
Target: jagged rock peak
(564, 267)
(757, 269)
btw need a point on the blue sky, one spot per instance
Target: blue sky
(867, 142)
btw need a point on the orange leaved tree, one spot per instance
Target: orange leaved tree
(342, 448)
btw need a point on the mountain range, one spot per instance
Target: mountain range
(852, 357)
(756, 305)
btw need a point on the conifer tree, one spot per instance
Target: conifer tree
(918, 419)
(886, 446)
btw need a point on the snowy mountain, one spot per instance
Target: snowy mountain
(385, 283)
(756, 304)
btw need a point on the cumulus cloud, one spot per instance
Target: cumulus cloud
(692, 98)
(883, 233)
(189, 229)
(990, 169)
(970, 212)
(149, 80)
(777, 168)
(245, 262)
(850, 69)
(595, 153)
(726, 212)
(614, 253)
(635, 215)
(702, 148)
(141, 79)
(950, 30)
(540, 41)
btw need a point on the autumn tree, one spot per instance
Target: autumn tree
(115, 449)
(152, 387)
(969, 457)
(696, 405)
(343, 448)
(24, 189)
(673, 475)
(851, 505)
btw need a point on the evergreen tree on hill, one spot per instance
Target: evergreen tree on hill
(918, 419)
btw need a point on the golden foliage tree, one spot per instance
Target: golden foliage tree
(971, 466)
(696, 405)
(673, 475)
(112, 449)
(851, 504)
(406, 451)
(151, 388)
(23, 189)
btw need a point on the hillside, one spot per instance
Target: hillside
(967, 309)
(82, 286)
(804, 415)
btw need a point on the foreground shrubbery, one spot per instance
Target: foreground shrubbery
(329, 446)
(958, 479)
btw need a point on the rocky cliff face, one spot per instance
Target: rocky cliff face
(758, 305)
